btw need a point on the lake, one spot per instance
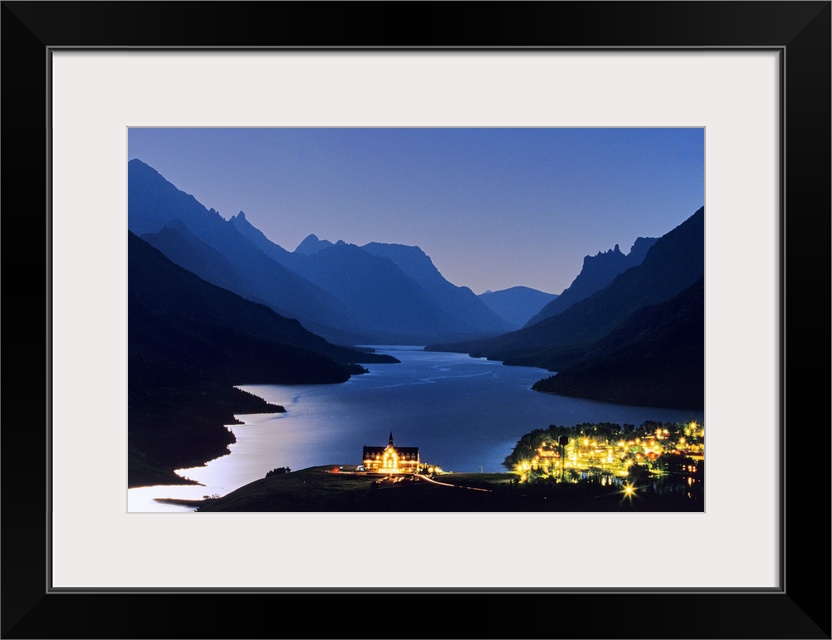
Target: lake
(464, 414)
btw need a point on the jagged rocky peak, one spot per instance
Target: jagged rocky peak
(614, 255)
(603, 258)
(597, 272)
(615, 251)
(242, 224)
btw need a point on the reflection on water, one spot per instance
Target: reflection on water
(463, 413)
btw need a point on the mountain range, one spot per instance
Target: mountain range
(375, 294)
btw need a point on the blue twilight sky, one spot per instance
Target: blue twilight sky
(494, 208)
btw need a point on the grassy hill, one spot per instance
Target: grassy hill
(318, 489)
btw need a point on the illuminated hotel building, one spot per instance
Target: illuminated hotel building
(391, 459)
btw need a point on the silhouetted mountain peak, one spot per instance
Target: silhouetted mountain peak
(597, 272)
(615, 251)
(458, 300)
(312, 244)
(153, 202)
(142, 174)
(239, 219)
(136, 164)
(516, 304)
(138, 170)
(604, 261)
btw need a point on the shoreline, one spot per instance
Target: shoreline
(213, 421)
(185, 502)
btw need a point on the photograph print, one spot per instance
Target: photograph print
(416, 320)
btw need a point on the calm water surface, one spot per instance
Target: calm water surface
(464, 414)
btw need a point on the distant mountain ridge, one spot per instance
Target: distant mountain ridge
(377, 282)
(379, 294)
(517, 304)
(597, 272)
(459, 301)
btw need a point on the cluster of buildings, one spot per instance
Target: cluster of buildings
(580, 457)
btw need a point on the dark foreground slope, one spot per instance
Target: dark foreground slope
(189, 342)
(655, 358)
(174, 296)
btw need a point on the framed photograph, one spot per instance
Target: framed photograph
(112, 107)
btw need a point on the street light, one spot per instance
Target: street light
(562, 441)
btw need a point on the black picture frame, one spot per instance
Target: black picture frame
(799, 31)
